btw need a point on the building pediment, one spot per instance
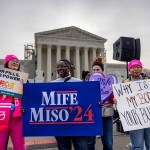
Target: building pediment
(71, 32)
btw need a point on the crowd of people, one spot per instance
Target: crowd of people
(64, 68)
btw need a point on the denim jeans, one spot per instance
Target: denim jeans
(65, 142)
(107, 138)
(91, 142)
(138, 137)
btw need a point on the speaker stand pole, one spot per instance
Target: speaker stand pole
(127, 69)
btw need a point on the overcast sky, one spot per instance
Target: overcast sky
(110, 19)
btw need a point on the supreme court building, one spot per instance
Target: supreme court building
(72, 43)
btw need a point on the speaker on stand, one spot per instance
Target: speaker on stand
(126, 49)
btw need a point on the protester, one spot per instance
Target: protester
(146, 72)
(138, 137)
(107, 122)
(85, 75)
(14, 127)
(65, 142)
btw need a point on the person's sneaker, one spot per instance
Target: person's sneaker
(129, 146)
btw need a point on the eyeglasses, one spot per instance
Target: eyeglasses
(15, 61)
(136, 67)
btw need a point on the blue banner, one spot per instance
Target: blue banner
(62, 109)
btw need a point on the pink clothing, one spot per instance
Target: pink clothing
(10, 99)
(134, 62)
(4, 115)
(14, 127)
(9, 57)
(15, 131)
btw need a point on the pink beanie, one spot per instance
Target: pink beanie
(9, 57)
(134, 62)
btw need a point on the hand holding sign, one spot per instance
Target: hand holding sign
(11, 82)
(105, 84)
(133, 104)
(62, 109)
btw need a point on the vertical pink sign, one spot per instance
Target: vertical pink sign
(4, 115)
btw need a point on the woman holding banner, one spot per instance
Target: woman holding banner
(138, 137)
(13, 127)
(64, 69)
(107, 138)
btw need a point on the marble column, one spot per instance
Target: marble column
(94, 53)
(58, 54)
(102, 53)
(77, 62)
(39, 57)
(39, 72)
(49, 63)
(68, 53)
(86, 63)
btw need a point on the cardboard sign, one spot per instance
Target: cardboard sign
(133, 103)
(11, 82)
(62, 109)
(105, 84)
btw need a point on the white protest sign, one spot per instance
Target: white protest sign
(133, 103)
(11, 82)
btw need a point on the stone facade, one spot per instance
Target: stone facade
(72, 43)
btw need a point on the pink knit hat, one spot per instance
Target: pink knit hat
(9, 57)
(134, 62)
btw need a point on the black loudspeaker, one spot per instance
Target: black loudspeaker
(124, 49)
(137, 49)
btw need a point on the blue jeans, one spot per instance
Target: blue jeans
(65, 142)
(138, 137)
(107, 138)
(91, 142)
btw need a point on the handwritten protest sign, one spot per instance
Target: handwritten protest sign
(62, 109)
(133, 103)
(105, 84)
(11, 82)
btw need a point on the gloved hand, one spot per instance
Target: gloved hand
(12, 109)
